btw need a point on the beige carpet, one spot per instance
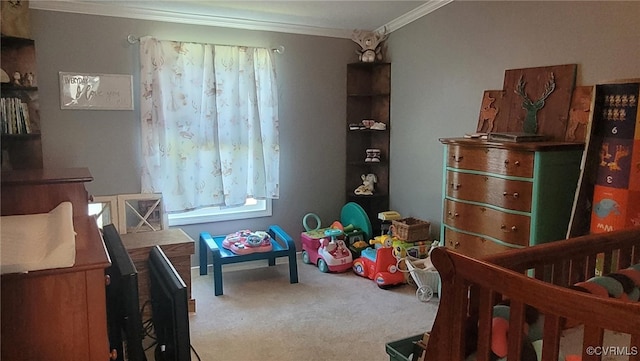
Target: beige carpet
(261, 316)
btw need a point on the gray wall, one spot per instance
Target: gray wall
(311, 80)
(442, 63)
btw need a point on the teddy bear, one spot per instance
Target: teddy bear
(370, 43)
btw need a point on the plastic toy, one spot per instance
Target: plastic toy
(379, 264)
(323, 248)
(353, 214)
(425, 277)
(531, 339)
(354, 239)
(386, 218)
(246, 242)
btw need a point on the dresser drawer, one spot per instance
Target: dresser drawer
(507, 227)
(510, 194)
(472, 246)
(491, 160)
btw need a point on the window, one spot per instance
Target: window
(209, 124)
(252, 208)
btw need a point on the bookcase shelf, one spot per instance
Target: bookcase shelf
(21, 143)
(368, 98)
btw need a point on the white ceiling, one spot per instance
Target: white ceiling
(323, 18)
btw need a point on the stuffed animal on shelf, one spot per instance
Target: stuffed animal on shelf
(370, 43)
(368, 185)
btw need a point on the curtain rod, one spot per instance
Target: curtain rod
(133, 39)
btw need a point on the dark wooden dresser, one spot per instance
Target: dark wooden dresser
(56, 314)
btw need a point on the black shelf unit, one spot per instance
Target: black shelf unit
(368, 97)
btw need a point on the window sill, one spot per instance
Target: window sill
(216, 214)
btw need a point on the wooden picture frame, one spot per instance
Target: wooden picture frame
(108, 212)
(550, 87)
(142, 212)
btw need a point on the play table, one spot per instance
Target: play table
(282, 246)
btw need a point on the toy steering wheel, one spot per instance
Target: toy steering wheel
(332, 232)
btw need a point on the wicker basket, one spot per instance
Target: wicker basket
(411, 229)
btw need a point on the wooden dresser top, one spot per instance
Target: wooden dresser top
(524, 146)
(39, 191)
(46, 176)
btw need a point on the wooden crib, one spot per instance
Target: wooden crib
(537, 276)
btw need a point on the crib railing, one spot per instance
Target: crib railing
(573, 260)
(470, 289)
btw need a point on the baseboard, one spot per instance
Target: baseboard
(248, 265)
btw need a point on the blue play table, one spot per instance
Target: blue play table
(283, 246)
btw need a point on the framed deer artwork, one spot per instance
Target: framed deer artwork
(537, 100)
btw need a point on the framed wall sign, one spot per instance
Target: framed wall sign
(96, 91)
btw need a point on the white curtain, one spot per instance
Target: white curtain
(209, 118)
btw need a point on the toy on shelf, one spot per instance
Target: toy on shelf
(368, 185)
(322, 247)
(379, 264)
(370, 43)
(373, 155)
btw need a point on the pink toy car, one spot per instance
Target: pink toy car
(328, 253)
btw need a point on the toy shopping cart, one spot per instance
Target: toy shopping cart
(426, 280)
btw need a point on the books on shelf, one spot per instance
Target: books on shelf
(14, 116)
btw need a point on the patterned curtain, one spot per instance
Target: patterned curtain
(209, 117)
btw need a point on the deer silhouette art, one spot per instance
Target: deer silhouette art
(532, 107)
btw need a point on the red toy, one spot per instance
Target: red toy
(379, 264)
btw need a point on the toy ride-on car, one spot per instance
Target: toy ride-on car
(329, 253)
(379, 264)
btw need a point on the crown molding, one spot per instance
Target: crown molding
(422, 10)
(183, 18)
(131, 12)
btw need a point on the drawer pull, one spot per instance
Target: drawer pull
(454, 245)
(505, 229)
(457, 158)
(456, 186)
(515, 194)
(452, 214)
(516, 163)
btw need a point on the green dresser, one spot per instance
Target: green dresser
(501, 196)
